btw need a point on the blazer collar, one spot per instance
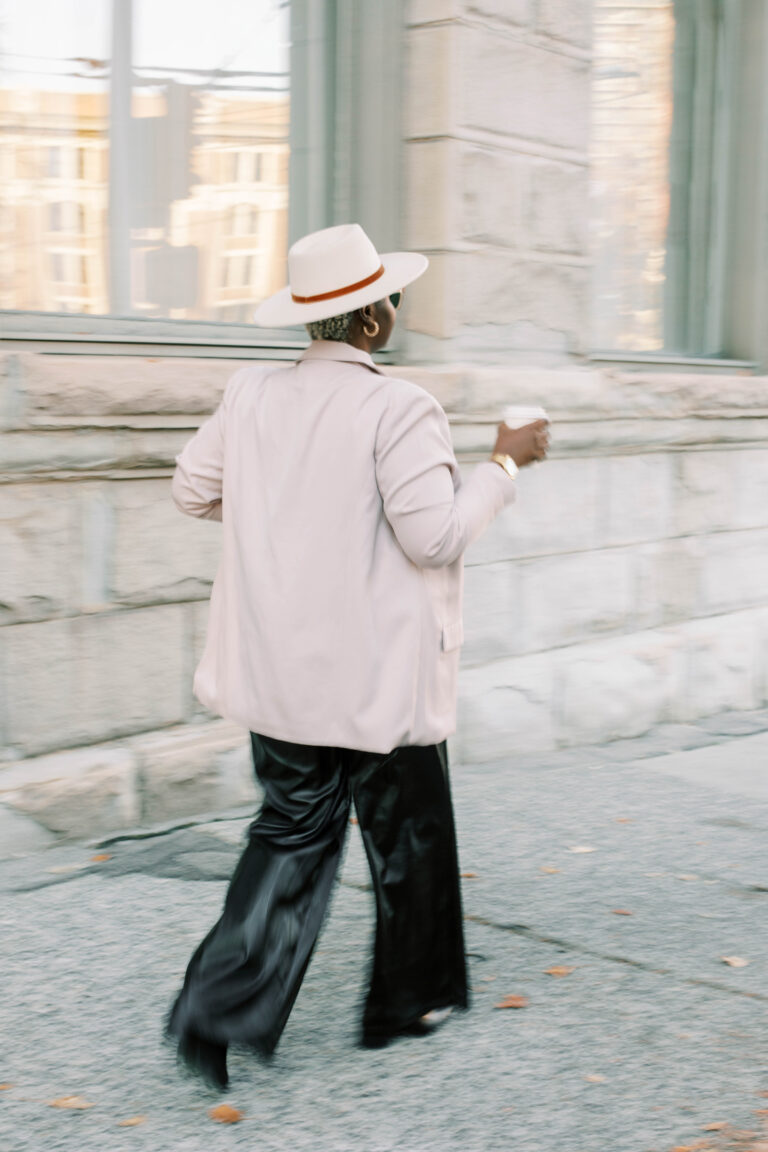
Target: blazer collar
(335, 350)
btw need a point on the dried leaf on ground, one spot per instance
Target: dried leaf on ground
(621, 912)
(224, 1114)
(353, 820)
(582, 848)
(469, 875)
(132, 1122)
(558, 970)
(624, 820)
(548, 870)
(97, 859)
(6, 1087)
(513, 1002)
(75, 1102)
(761, 1112)
(595, 1079)
(716, 1127)
(734, 961)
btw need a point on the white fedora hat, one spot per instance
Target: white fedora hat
(334, 271)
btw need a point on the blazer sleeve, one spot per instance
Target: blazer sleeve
(197, 483)
(432, 514)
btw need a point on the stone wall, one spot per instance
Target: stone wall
(626, 587)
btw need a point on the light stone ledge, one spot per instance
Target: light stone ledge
(138, 782)
(614, 688)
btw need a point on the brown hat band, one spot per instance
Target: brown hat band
(338, 291)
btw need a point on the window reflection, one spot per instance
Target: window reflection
(200, 220)
(632, 106)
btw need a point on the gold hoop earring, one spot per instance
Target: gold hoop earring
(376, 329)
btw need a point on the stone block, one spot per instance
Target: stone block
(566, 393)
(724, 664)
(706, 491)
(20, 834)
(430, 81)
(446, 385)
(492, 624)
(751, 503)
(638, 498)
(181, 770)
(734, 570)
(494, 188)
(433, 299)
(66, 386)
(159, 554)
(518, 89)
(432, 194)
(668, 577)
(558, 509)
(540, 304)
(93, 678)
(566, 599)
(569, 20)
(506, 11)
(558, 208)
(74, 794)
(40, 556)
(619, 687)
(429, 11)
(505, 709)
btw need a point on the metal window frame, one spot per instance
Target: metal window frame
(344, 165)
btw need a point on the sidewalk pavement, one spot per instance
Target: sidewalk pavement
(603, 885)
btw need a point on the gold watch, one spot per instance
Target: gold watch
(507, 463)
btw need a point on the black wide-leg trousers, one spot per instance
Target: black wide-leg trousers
(243, 979)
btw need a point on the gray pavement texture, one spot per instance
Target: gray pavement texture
(648, 1039)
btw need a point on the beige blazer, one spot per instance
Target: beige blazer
(335, 615)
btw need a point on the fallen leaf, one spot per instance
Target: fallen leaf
(513, 1002)
(624, 820)
(716, 1127)
(353, 820)
(469, 875)
(595, 1079)
(547, 869)
(5, 1087)
(582, 848)
(75, 1102)
(224, 1114)
(97, 859)
(687, 876)
(620, 912)
(133, 1122)
(558, 970)
(735, 961)
(761, 1112)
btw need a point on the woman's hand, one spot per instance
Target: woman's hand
(524, 445)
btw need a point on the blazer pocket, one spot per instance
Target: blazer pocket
(453, 635)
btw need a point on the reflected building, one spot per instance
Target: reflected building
(209, 202)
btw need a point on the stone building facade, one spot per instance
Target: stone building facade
(627, 587)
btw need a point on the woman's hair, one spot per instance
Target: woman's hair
(335, 328)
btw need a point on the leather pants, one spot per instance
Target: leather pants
(243, 979)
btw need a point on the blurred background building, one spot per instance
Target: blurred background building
(590, 181)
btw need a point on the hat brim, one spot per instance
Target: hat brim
(282, 311)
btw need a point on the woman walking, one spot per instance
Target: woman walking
(334, 636)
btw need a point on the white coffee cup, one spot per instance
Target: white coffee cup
(518, 415)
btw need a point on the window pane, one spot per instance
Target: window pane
(152, 167)
(632, 125)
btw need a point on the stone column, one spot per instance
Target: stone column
(496, 111)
